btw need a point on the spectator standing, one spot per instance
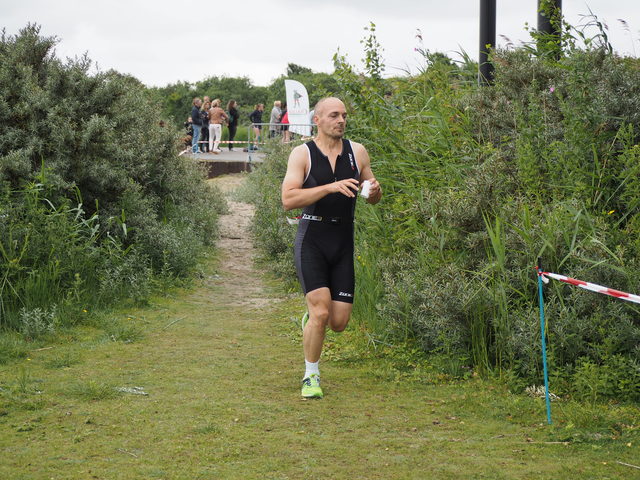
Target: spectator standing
(286, 136)
(196, 120)
(188, 132)
(256, 119)
(276, 115)
(234, 115)
(204, 133)
(216, 118)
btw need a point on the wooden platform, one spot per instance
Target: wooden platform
(227, 162)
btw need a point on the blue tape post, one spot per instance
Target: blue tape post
(544, 344)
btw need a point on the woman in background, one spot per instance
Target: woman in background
(204, 135)
(233, 114)
(216, 118)
(256, 118)
(286, 137)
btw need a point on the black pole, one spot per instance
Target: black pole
(549, 23)
(487, 40)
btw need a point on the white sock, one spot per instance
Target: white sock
(311, 368)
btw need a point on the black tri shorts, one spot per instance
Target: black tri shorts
(324, 258)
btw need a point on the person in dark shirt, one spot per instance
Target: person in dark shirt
(188, 132)
(196, 120)
(256, 118)
(234, 115)
(204, 133)
(286, 137)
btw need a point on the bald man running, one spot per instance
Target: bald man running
(323, 177)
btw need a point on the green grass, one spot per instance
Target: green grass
(12, 347)
(122, 331)
(65, 359)
(91, 390)
(221, 363)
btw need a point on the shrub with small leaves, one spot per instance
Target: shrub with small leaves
(37, 322)
(93, 197)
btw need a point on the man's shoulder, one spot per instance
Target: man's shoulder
(357, 147)
(301, 152)
(301, 149)
(298, 158)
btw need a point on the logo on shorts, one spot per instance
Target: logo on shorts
(353, 166)
(345, 294)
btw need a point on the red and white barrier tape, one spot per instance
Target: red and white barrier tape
(629, 297)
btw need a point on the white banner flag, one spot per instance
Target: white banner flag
(298, 107)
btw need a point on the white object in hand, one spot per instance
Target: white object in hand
(366, 186)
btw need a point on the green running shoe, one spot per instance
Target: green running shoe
(305, 319)
(311, 387)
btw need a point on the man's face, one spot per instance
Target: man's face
(332, 118)
(198, 103)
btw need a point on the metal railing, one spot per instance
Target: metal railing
(254, 140)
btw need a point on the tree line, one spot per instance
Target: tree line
(176, 99)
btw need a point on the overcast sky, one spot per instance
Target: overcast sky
(165, 41)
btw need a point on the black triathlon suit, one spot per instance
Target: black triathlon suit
(324, 243)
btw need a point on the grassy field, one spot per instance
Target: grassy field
(204, 384)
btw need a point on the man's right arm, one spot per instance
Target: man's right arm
(294, 196)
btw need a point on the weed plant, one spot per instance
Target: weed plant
(65, 359)
(92, 390)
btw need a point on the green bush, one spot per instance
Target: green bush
(93, 198)
(272, 233)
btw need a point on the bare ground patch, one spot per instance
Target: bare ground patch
(237, 253)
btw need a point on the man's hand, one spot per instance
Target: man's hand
(375, 191)
(348, 187)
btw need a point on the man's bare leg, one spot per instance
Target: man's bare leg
(319, 306)
(323, 312)
(339, 316)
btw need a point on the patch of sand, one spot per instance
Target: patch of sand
(237, 251)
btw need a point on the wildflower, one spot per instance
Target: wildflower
(610, 212)
(552, 89)
(84, 310)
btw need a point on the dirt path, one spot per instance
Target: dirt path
(221, 363)
(237, 252)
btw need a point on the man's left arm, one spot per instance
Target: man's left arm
(375, 192)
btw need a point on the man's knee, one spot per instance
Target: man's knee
(338, 327)
(319, 315)
(319, 305)
(339, 316)
(338, 321)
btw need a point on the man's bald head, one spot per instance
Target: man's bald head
(326, 103)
